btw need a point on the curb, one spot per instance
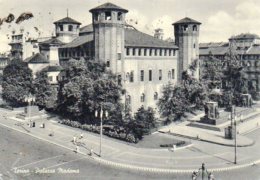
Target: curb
(213, 142)
(139, 168)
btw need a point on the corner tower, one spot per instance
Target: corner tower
(67, 29)
(186, 32)
(109, 35)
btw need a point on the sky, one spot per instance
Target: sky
(220, 19)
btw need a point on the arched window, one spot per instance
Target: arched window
(194, 28)
(61, 27)
(155, 96)
(119, 16)
(108, 15)
(128, 100)
(142, 97)
(108, 63)
(70, 28)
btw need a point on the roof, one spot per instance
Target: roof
(52, 68)
(67, 20)
(86, 29)
(245, 36)
(53, 41)
(187, 20)
(213, 44)
(254, 50)
(79, 41)
(135, 38)
(107, 6)
(221, 50)
(37, 58)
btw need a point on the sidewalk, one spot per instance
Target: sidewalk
(117, 154)
(205, 135)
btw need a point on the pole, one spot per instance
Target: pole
(235, 160)
(101, 129)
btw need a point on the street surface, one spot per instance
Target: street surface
(27, 153)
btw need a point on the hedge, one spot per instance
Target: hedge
(96, 129)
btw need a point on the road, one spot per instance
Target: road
(29, 154)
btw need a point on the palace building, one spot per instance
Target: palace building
(247, 48)
(142, 63)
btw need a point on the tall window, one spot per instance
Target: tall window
(108, 63)
(133, 51)
(145, 52)
(127, 51)
(139, 52)
(131, 78)
(142, 75)
(150, 75)
(142, 97)
(70, 28)
(151, 52)
(107, 15)
(96, 17)
(173, 72)
(61, 27)
(128, 100)
(160, 74)
(119, 16)
(118, 56)
(119, 80)
(169, 75)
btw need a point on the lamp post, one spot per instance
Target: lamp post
(101, 126)
(29, 99)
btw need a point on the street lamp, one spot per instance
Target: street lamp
(30, 98)
(234, 118)
(101, 125)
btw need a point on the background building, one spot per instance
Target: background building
(247, 47)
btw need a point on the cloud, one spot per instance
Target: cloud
(222, 25)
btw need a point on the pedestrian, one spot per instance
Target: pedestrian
(211, 177)
(74, 139)
(91, 152)
(194, 175)
(81, 135)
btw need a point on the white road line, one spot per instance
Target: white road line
(39, 161)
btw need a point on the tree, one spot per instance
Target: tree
(17, 83)
(45, 93)
(146, 119)
(211, 73)
(234, 76)
(86, 87)
(187, 96)
(173, 104)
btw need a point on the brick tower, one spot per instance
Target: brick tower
(186, 32)
(109, 35)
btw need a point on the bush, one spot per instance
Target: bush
(96, 129)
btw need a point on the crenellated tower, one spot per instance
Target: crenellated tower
(186, 32)
(109, 35)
